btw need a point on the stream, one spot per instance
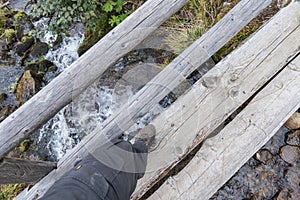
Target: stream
(104, 97)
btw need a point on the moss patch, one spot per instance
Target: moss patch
(4, 13)
(10, 35)
(93, 36)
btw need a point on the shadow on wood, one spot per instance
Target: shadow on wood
(14, 170)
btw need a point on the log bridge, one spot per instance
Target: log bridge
(264, 72)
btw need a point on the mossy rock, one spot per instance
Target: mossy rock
(42, 66)
(22, 24)
(39, 49)
(88, 42)
(23, 46)
(93, 36)
(33, 67)
(4, 18)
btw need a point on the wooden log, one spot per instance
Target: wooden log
(152, 93)
(223, 155)
(14, 170)
(84, 71)
(220, 92)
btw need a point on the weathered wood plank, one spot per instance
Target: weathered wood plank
(83, 72)
(221, 91)
(221, 156)
(160, 86)
(14, 170)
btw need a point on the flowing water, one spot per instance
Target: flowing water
(95, 104)
(99, 101)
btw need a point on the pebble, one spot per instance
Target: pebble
(264, 156)
(293, 122)
(293, 138)
(290, 154)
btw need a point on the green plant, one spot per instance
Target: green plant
(116, 20)
(193, 21)
(19, 15)
(10, 35)
(24, 145)
(8, 192)
(3, 19)
(110, 6)
(64, 13)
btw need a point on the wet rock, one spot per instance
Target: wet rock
(293, 138)
(44, 65)
(88, 42)
(53, 68)
(39, 49)
(5, 111)
(293, 122)
(41, 66)
(28, 85)
(33, 67)
(136, 78)
(23, 46)
(57, 42)
(290, 154)
(264, 156)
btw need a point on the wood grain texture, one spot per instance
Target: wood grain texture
(13, 170)
(220, 92)
(222, 155)
(84, 71)
(156, 89)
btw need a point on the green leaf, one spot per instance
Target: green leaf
(108, 6)
(119, 5)
(114, 20)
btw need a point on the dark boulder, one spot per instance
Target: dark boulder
(23, 46)
(41, 66)
(39, 49)
(44, 65)
(33, 67)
